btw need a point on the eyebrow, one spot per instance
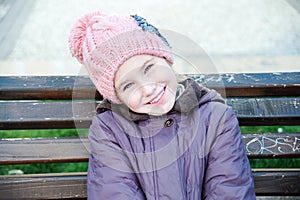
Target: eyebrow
(140, 68)
(145, 63)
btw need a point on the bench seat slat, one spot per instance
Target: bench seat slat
(44, 186)
(74, 185)
(43, 115)
(81, 87)
(277, 183)
(43, 150)
(50, 150)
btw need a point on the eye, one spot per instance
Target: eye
(127, 86)
(147, 68)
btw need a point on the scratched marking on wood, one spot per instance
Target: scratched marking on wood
(273, 145)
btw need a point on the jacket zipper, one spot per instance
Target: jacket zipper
(180, 172)
(153, 167)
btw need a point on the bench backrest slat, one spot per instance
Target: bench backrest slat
(70, 87)
(49, 150)
(43, 115)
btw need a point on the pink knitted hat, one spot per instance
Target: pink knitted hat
(102, 43)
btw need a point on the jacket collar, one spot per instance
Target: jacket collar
(189, 99)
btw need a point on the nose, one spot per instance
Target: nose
(148, 89)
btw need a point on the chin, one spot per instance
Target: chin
(161, 110)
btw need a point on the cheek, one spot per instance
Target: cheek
(165, 73)
(133, 101)
(170, 78)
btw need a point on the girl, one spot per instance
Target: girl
(154, 137)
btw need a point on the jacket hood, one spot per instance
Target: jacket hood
(193, 96)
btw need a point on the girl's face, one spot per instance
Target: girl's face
(146, 84)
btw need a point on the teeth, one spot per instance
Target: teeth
(157, 98)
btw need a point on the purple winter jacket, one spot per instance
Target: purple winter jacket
(195, 151)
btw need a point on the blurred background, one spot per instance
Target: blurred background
(237, 35)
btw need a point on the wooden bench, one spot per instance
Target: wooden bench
(267, 99)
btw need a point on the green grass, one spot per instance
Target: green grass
(45, 168)
(270, 129)
(275, 163)
(47, 133)
(82, 167)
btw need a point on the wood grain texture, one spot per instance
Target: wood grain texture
(73, 185)
(43, 150)
(53, 150)
(44, 186)
(78, 114)
(277, 183)
(272, 145)
(81, 87)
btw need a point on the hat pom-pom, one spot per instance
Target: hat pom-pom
(78, 34)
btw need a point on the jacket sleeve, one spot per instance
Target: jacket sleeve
(228, 173)
(109, 173)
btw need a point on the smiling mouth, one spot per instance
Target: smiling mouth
(158, 99)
